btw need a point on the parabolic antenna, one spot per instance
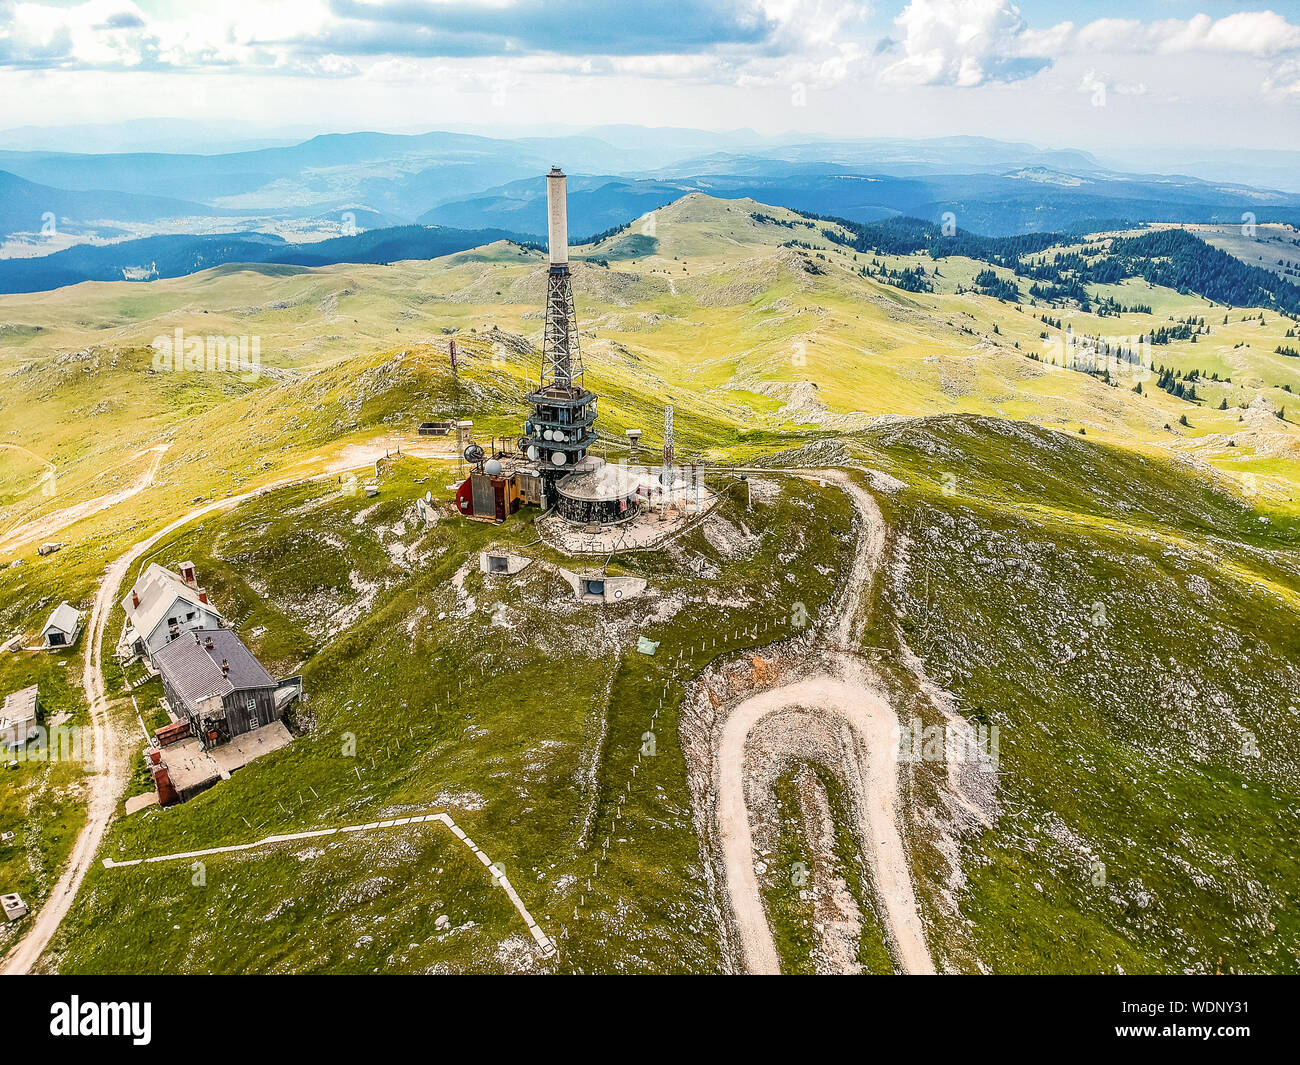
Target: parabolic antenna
(557, 457)
(532, 454)
(474, 454)
(493, 468)
(548, 435)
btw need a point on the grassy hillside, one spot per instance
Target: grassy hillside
(752, 340)
(1131, 633)
(1106, 573)
(425, 679)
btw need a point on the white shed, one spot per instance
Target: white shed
(62, 628)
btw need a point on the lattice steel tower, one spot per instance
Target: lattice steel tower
(562, 425)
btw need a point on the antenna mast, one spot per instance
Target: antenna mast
(560, 429)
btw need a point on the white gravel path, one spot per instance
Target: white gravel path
(845, 690)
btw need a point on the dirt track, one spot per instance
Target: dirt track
(44, 527)
(112, 752)
(842, 688)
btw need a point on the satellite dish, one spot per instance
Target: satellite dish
(548, 435)
(475, 454)
(532, 454)
(493, 468)
(561, 438)
(558, 458)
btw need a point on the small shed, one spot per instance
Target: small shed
(62, 628)
(172, 732)
(20, 717)
(489, 496)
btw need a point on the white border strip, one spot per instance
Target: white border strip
(544, 942)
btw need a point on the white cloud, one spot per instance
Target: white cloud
(1284, 79)
(965, 43)
(1257, 33)
(826, 49)
(95, 33)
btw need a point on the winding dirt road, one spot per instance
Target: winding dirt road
(44, 527)
(112, 761)
(842, 689)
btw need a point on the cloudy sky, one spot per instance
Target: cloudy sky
(1090, 74)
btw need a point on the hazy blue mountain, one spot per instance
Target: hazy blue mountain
(892, 156)
(323, 171)
(595, 204)
(25, 204)
(465, 181)
(153, 135)
(1028, 199)
(178, 255)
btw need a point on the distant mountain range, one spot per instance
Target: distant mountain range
(1025, 200)
(178, 255)
(212, 206)
(26, 206)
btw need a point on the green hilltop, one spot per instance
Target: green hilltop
(1107, 574)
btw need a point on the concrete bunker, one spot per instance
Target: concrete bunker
(597, 587)
(496, 562)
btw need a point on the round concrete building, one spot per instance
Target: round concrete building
(596, 492)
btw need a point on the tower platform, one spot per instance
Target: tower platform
(603, 508)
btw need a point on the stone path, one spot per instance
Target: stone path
(544, 942)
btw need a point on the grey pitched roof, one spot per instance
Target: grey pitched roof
(20, 706)
(64, 617)
(194, 671)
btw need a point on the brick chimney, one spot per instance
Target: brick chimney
(225, 668)
(135, 597)
(209, 644)
(203, 596)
